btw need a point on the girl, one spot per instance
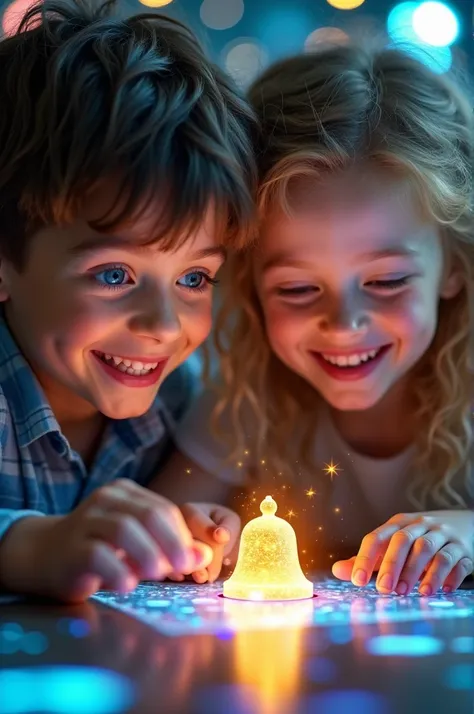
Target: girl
(346, 334)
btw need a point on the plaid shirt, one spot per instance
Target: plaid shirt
(40, 474)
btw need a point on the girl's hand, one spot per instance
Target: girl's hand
(438, 545)
(216, 526)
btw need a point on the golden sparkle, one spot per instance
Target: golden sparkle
(310, 492)
(332, 469)
(337, 510)
(188, 471)
(291, 514)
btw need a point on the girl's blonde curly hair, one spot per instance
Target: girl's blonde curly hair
(321, 113)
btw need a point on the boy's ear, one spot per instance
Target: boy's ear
(4, 290)
(452, 283)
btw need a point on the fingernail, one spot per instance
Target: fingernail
(222, 532)
(386, 582)
(360, 577)
(425, 590)
(402, 588)
(447, 589)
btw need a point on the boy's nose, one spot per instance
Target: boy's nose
(158, 319)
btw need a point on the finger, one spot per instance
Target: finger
(342, 569)
(372, 548)
(229, 528)
(212, 533)
(423, 551)
(98, 566)
(442, 565)
(175, 577)
(159, 516)
(203, 556)
(398, 552)
(200, 576)
(460, 571)
(124, 532)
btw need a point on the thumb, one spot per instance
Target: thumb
(342, 569)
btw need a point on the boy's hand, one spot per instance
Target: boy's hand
(438, 545)
(120, 534)
(215, 525)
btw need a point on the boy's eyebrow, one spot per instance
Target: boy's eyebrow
(104, 242)
(287, 260)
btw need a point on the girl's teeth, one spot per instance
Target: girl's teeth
(351, 360)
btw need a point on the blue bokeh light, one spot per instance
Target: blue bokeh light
(436, 24)
(463, 645)
(400, 22)
(403, 36)
(404, 645)
(65, 690)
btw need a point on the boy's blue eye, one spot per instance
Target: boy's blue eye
(112, 276)
(196, 280)
(192, 280)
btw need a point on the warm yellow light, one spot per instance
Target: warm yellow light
(346, 4)
(268, 566)
(156, 3)
(331, 469)
(310, 493)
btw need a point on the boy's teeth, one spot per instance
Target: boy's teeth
(350, 360)
(134, 367)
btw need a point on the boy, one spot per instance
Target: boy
(125, 172)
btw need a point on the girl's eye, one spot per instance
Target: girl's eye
(389, 284)
(197, 280)
(297, 291)
(112, 277)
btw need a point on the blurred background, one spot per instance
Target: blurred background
(244, 36)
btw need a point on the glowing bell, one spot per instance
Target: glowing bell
(268, 566)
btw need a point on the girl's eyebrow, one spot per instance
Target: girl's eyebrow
(395, 252)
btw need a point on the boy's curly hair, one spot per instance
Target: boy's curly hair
(86, 95)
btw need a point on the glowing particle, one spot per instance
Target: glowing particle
(262, 462)
(188, 471)
(337, 510)
(239, 464)
(332, 469)
(310, 492)
(291, 514)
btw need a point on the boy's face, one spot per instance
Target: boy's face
(350, 286)
(102, 319)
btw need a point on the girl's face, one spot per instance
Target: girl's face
(350, 286)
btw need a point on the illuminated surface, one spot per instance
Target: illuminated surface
(64, 690)
(268, 567)
(195, 609)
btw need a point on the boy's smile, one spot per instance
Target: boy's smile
(104, 319)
